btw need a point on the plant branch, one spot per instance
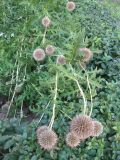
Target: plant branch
(44, 35)
(89, 89)
(81, 90)
(54, 101)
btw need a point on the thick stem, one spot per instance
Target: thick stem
(83, 95)
(89, 89)
(81, 91)
(44, 35)
(54, 101)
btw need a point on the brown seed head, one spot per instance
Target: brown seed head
(82, 126)
(41, 129)
(98, 128)
(72, 140)
(47, 139)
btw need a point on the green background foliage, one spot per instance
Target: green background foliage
(92, 25)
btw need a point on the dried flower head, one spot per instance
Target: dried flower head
(39, 54)
(82, 126)
(70, 6)
(72, 139)
(46, 21)
(98, 128)
(61, 60)
(50, 49)
(47, 139)
(87, 54)
(41, 129)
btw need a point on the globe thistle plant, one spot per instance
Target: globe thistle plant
(72, 140)
(98, 128)
(39, 54)
(50, 49)
(70, 6)
(82, 126)
(61, 60)
(46, 21)
(87, 54)
(47, 139)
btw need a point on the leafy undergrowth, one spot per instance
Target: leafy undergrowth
(114, 5)
(28, 86)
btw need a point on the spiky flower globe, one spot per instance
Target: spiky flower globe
(87, 54)
(98, 128)
(39, 54)
(50, 49)
(47, 139)
(82, 126)
(61, 60)
(72, 140)
(41, 129)
(70, 6)
(46, 21)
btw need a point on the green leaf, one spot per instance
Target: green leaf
(9, 144)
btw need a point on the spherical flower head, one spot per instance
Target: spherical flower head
(98, 128)
(46, 21)
(50, 49)
(61, 60)
(70, 6)
(39, 54)
(87, 54)
(47, 139)
(41, 129)
(82, 126)
(72, 140)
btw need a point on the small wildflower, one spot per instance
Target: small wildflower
(61, 60)
(50, 49)
(46, 21)
(72, 140)
(70, 6)
(39, 54)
